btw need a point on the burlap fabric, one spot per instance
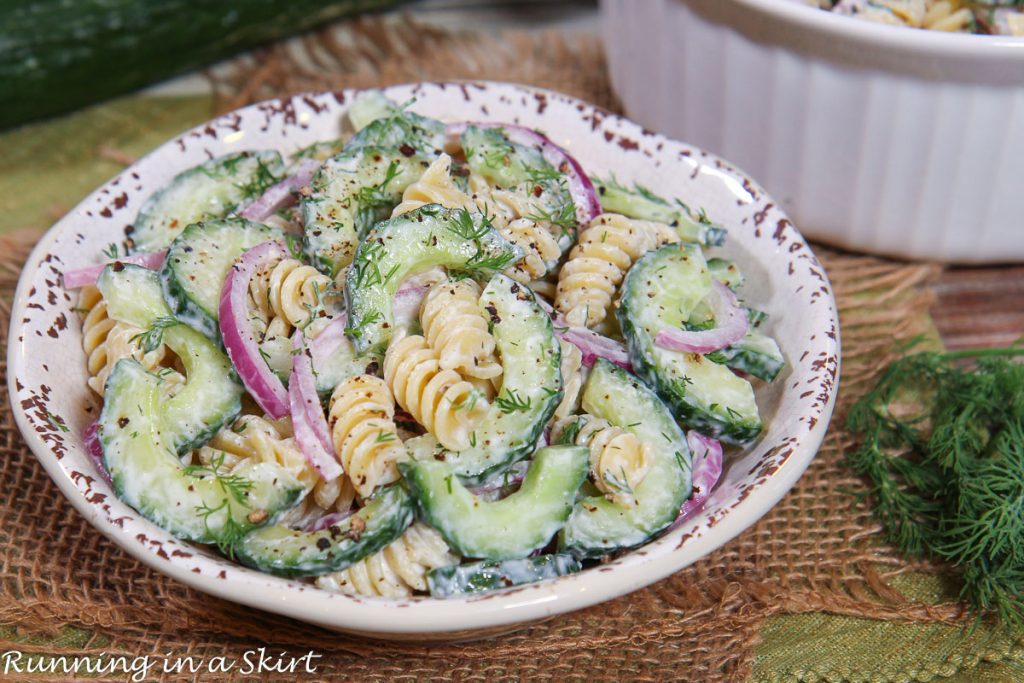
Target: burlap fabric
(818, 550)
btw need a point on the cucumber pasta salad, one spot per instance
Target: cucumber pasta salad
(999, 17)
(428, 359)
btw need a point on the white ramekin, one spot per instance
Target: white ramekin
(895, 141)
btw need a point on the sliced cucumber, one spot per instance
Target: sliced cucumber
(211, 396)
(597, 525)
(340, 365)
(726, 272)
(423, 238)
(198, 262)
(478, 577)
(350, 193)
(756, 354)
(193, 505)
(509, 528)
(208, 191)
(288, 552)
(531, 385)
(379, 122)
(639, 202)
(661, 291)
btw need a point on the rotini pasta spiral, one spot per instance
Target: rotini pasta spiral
(252, 436)
(598, 263)
(397, 570)
(361, 417)
(619, 461)
(435, 186)
(448, 406)
(572, 380)
(290, 294)
(539, 246)
(107, 341)
(454, 327)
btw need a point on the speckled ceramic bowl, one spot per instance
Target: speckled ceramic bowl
(47, 373)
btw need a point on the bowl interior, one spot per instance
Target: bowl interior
(53, 405)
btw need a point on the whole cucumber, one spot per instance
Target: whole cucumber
(60, 55)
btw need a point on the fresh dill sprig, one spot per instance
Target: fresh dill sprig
(509, 401)
(235, 487)
(151, 339)
(943, 449)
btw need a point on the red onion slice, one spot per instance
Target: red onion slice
(582, 190)
(91, 441)
(594, 346)
(282, 193)
(237, 333)
(306, 436)
(327, 342)
(308, 421)
(329, 520)
(80, 277)
(706, 456)
(730, 326)
(590, 343)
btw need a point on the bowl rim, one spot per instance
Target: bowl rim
(902, 38)
(422, 617)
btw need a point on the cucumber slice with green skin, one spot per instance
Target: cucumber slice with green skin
(208, 191)
(509, 528)
(190, 503)
(726, 272)
(404, 245)
(288, 552)
(198, 262)
(211, 397)
(350, 193)
(639, 202)
(597, 525)
(379, 122)
(479, 577)
(756, 354)
(661, 291)
(531, 385)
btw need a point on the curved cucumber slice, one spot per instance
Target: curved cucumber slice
(197, 263)
(598, 526)
(426, 237)
(660, 291)
(531, 385)
(726, 272)
(211, 397)
(191, 503)
(350, 193)
(379, 122)
(639, 202)
(287, 552)
(478, 577)
(509, 528)
(756, 354)
(210, 190)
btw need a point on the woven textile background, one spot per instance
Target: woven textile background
(800, 596)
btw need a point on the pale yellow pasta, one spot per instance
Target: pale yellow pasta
(572, 380)
(290, 294)
(443, 402)
(539, 246)
(397, 570)
(454, 326)
(936, 15)
(106, 341)
(598, 263)
(619, 461)
(255, 437)
(361, 418)
(435, 186)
